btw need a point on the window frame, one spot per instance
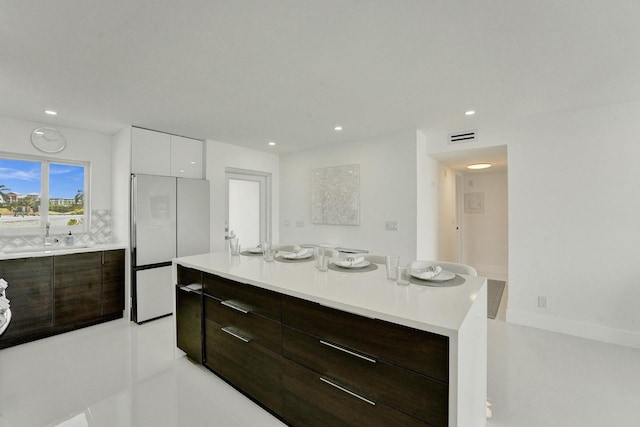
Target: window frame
(45, 163)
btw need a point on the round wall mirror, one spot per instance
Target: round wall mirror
(49, 140)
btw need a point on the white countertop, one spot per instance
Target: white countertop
(440, 310)
(60, 249)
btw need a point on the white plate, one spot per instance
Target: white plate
(343, 263)
(255, 250)
(293, 255)
(443, 276)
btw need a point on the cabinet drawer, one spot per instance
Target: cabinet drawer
(416, 350)
(414, 394)
(253, 369)
(311, 399)
(259, 329)
(250, 298)
(188, 276)
(189, 323)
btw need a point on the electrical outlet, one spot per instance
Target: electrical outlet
(300, 223)
(391, 226)
(542, 302)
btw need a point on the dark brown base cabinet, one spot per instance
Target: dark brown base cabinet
(189, 313)
(55, 294)
(311, 365)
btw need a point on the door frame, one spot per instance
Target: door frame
(264, 179)
(459, 217)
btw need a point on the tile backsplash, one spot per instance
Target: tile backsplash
(101, 228)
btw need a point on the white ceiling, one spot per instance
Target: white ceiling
(249, 72)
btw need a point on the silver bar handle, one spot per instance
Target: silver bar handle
(234, 306)
(353, 353)
(331, 383)
(234, 334)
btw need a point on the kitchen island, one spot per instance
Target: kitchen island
(338, 347)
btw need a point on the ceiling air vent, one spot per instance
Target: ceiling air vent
(465, 136)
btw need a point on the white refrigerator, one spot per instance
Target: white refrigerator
(169, 219)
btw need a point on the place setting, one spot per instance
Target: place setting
(295, 256)
(432, 275)
(257, 251)
(353, 264)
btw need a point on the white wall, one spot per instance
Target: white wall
(485, 235)
(387, 193)
(427, 190)
(221, 156)
(15, 138)
(573, 232)
(447, 233)
(121, 172)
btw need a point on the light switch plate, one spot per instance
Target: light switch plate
(391, 226)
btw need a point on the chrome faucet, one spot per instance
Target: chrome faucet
(47, 237)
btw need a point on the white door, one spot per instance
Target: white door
(248, 202)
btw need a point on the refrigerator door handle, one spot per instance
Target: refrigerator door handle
(134, 194)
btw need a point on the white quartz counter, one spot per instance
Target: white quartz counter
(59, 249)
(439, 309)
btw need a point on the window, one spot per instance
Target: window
(34, 192)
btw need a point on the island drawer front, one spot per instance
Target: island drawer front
(313, 400)
(189, 323)
(188, 276)
(420, 351)
(252, 368)
(414, 394)
(251, 298)
(259, 329)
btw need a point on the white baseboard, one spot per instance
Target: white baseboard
(575, 328)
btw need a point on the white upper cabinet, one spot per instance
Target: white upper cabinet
(186, 157)
(157, 153)
(150, 152)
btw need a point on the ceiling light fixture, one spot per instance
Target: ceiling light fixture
(469, 113)
(479, 166)
(50, 112)
(272, 143)
(337, 128)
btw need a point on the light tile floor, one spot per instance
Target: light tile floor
(121, 374)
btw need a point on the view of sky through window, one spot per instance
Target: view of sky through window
(21, 193)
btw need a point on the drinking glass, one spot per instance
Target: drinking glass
(268, 254)
(234, 245)
(392, 262)
(403, 275)
(323, 262)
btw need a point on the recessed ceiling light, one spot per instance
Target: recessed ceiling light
(50, 112)
(469, 113)
(479, 166)
(193, 163)
(272, 143)
(337, 128)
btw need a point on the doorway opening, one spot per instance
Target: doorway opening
(248, 199)
(480, 211)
